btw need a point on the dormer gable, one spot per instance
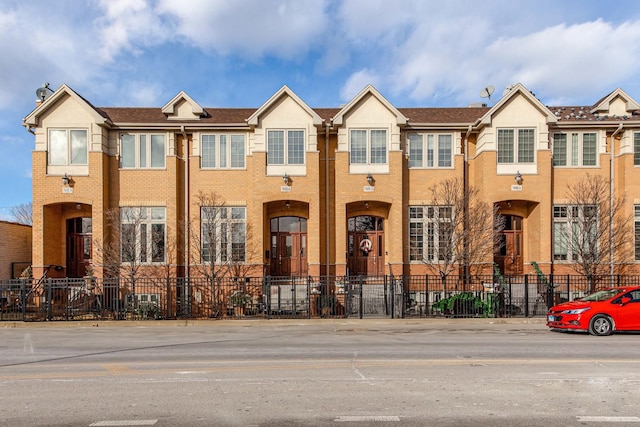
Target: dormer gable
(515, 91)
(369, 91)
(183, 107)
(284, 91)
(61, 94)
(617, 103)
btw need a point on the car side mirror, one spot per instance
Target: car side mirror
(625, 300)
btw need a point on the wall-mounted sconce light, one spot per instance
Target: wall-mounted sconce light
(369, 179)
(518, 178)
(66, 179)
(287, 204)
(286, 179)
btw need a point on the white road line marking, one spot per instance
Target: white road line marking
(588, 419)
(366, 418)
(123, 423)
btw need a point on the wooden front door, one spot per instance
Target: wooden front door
(78, 246)
(366, 246)
(288, 246)
(509, 254)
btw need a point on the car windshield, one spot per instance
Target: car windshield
(602, 295)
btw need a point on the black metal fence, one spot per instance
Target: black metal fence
(293, 297)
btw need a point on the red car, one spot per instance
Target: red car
(601, 313)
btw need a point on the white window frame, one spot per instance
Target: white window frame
(636, 149)
(143, 149)
(369, 155)
(516, 151)
(574, 149)
(567, 217)
(145, 220)
(70, 153)
(287, 148)
(426, 153)
(225, 146)
(428, 247)
(228, 222)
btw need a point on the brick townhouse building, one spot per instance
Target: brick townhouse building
(319, 191)
(15, 249)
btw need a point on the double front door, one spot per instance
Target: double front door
(366, 246)
(79, 233)
(508, 255)
(288, 253)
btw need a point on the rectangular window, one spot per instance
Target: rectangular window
(143, 234)
(579, 150)
(368, 146)
(221, 151)
(430, 227)
(142, 151)
(636, 149)
(575, 232)
(285, 147)
(224, 234)
(439, 150)
(68, 147)
(516, 147)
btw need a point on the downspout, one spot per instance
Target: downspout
(327, 198)
(611, 194)
(186, 202)
(465, 187)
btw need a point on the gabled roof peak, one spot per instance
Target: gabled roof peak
(254, 119)
(369, 90)
(175, 108)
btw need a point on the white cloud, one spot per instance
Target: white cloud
(249, 28)
(356, 82)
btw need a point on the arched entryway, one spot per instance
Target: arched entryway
(508, 254)
(288, 246)
(365, 245)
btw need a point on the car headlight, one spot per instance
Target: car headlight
(576, 310)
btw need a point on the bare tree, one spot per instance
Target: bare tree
(583, 230)
(22, 213)
(221, 244)
(462, 228)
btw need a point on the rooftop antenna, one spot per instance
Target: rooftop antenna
(43, 92)
(487, 92)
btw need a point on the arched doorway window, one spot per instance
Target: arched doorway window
(288, 246)
(78, 246)
(508, 254)
(365, 245)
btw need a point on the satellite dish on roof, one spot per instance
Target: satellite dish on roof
(487, 92)
(43, 92)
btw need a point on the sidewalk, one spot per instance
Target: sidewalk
(370, 322)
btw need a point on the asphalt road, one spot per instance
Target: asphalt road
(316, 373)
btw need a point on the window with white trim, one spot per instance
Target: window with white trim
(142, 234)
(285, 147)
(636, 148)
(574, 231)
(430, 229)
(141, 151)
(224, 233)
(430, 150)
(68, 147)
(368, 146)
(516, 146)
(575, 149)
(222, 151)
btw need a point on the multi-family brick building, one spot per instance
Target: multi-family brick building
(318, 191)
(15, 249)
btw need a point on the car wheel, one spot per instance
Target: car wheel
(600, 325)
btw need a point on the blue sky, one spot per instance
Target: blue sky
(238, 53)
